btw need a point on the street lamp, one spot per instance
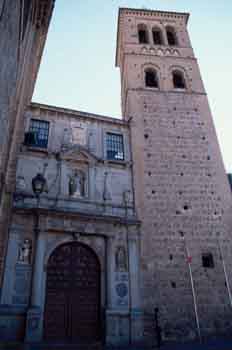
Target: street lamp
(38, 184)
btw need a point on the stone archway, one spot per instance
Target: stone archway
(72, 305)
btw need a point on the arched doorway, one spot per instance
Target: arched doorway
(72, 306)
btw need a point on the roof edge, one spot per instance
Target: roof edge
(77, 113)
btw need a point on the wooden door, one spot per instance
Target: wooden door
(72, 309)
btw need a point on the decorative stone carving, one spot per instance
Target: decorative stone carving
(121, 259)
(76, 236)
(20, 183)
(79, 134)
(127, 197)
(106, 192)
(21, 284)
(122, 290)
(25, 250)
(76, 184)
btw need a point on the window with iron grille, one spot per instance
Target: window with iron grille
(115, 147)
(40, 129)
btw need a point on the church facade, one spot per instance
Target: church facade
(121, 228)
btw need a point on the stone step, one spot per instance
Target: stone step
(46, 346)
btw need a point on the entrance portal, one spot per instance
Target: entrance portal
(72, 309)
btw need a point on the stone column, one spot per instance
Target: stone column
(110, 271)
(34, 327)
(38, 271)
(135, 302)
(9, 275)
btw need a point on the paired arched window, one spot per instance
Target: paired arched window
(171, 36)
(151, 78)
(178, 80)
(157, 36)
(143, 34)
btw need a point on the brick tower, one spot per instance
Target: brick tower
(182, 194)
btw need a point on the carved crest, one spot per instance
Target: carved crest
(78, 154)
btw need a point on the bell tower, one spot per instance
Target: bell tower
(181, 190)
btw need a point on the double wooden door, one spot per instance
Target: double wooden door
(72, 309)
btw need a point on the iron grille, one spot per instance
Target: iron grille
(41, 129)
(115, 147)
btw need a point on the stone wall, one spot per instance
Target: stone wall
(181, 189)
(23, 34)
(77, 142)
(102, 217)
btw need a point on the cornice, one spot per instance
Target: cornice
(74, 113)
(155, 13)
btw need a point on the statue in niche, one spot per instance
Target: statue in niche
(121, 259)
(77, 184)
(25, 251)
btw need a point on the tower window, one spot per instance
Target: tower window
(115, 147)
(157, 36)
(151, 79)
(171, 36)
(178, 80)
(143, 34)
(207, 260)
(38, 132)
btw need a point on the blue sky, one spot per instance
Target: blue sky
(78, 66)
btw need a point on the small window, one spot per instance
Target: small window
(171, 36)
(157, 36)
(178, 80)
(115, 147)
(207, 260)
(151, 79)
(230, 180)
(40, 131)
(143, 34)
(26, 5)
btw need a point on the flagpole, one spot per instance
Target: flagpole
(193, 289)
(224, 269)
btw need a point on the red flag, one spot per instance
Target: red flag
(189, 259)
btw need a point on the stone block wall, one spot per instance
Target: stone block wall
(184, 193)
(24, 26)
(77, 141)
(181, 190)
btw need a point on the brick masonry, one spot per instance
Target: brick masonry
(181, 189)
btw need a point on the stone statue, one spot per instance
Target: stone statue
(77, 184)
(121, 259)
(25, 250)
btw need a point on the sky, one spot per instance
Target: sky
(78, 65)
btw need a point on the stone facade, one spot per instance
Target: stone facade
(102, 217)
(181, 191)
(146, 198)
(23, 29)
